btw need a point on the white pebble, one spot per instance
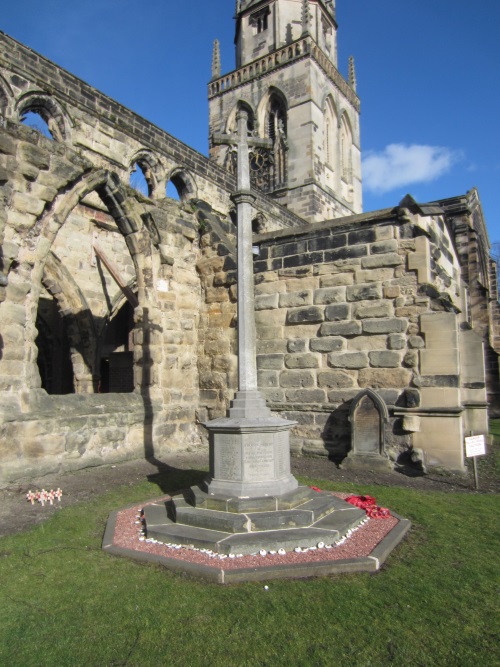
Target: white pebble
(281, 552)
(263, 552)
(297, 550)
(266, 588)
(272, 553)
(232, 556)
(321, 545)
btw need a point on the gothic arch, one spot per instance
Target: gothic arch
(73, 307)
(231, 119)
(330, 133)
(50, 110)
(273, 121)
(149, 164)
(129, 223)
(346, 145)
(184, 183)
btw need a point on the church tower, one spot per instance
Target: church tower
(286, 77)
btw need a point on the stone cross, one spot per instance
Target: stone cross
(244, 200)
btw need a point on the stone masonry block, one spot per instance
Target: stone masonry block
(296, 379)
(385, 359)
(301, 361)
(306, 396)
(327, 344)
(384, 377)
(337, 312)
(385, 326)
(35, 155)
(329, 295)
(270, 361)
(292, 299)
(266, 301)
(374, 275)
(364, 310)
(379, 261)
(364, 343)
(396, 342)
(27, 204)
(296, 345)
(270, 317)
(268, 378)
(348, 359)
(364, 292)
(337, 280)
(336, 379)
(381, 247)
(340, 329)
(303, 315)
(271, 346)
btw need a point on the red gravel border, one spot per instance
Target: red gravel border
(360, 544)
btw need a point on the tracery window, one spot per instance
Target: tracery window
(329, 136)
(276, 131)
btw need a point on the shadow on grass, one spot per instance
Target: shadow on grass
(172, 480)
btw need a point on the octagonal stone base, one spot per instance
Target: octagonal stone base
(302, 518)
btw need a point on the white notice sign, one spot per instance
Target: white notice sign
(475, 446)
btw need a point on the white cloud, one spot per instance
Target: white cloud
(400, 165)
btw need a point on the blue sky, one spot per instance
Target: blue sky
(427, 75)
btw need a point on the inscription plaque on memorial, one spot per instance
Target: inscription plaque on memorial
(258, 460)
(228, 464)
(366, 427)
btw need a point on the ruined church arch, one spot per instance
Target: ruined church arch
(83, 343)
(49, 110)
(183, 182)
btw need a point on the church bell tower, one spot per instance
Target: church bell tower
(286, 77)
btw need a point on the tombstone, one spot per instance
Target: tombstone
(368, 416)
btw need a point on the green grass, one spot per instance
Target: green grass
(65, 602)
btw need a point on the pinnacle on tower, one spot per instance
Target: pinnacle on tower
(352, 73)
(306, 17)
(216, 60)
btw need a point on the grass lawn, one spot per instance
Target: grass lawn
(65, 602)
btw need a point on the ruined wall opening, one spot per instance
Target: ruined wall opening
(35, 121)
(44, 114)
(139, 181)
(52, 341)
(181, 186)
(116, 363)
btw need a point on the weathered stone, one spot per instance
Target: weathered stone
(266, 301)
(330, 295)
(374, 275)
(386, 377)
(411, 358)
(327, 344)
(337, 280)
(292, 299)
(391, 325)
(306, 395)
(348, 359)
(270, 361)
(268, 378)
(364, 343)
(338, 312)
(396, 342)
(416, 342)
(364, 310)
(301, 315)
(340, 329)
(296, 379)
(301, 361)
(336, 379)
(297, 345)
(379, 261)
(385, 359)
(390, 245)
(364, 292)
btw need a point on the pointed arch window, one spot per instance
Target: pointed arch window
(329, 135)
(346, 149)
(276, 131)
